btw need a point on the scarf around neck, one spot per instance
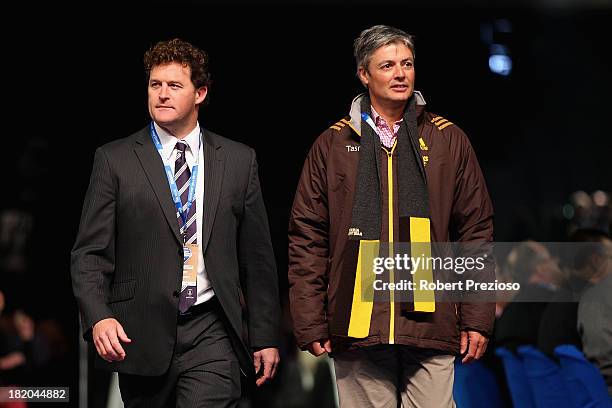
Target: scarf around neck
(413, 199)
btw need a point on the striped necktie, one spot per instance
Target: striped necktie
(182, 174)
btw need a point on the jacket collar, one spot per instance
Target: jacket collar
(355, 112)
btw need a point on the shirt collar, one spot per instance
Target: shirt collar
(168, 141)
(377, 118)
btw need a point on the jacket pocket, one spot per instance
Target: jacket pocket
(121, 291)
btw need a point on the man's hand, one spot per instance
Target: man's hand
(106, 336)
(475, 344)
(266, 359)
(316, 348)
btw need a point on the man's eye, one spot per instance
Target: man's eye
(408, 64)
(386, 66)
(175, 86)
(154, 85)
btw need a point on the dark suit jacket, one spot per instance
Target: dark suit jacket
(127, 259)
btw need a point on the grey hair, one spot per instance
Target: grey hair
(375, 37)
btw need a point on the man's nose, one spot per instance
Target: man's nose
(163, 92)
(398, 72)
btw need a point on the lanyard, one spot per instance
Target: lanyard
(369, 121)
(170, 175)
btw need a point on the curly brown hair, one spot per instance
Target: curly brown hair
(177, 50)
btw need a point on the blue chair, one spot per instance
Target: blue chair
(585, 383)
(520, 389)
(547, 382)
(475, 386)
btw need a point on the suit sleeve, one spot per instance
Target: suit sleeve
(258, 267)
(309, 250)
(472, 222)
(93, 254)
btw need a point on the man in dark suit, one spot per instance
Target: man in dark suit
(173, 267)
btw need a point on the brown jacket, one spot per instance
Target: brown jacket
(460, 211)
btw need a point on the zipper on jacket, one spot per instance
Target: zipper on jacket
(390, 211)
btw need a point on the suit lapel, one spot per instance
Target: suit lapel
(154, 169)
(214, 163)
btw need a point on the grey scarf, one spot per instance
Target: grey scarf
(413, 200)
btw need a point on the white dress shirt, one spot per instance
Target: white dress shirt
(168, 141)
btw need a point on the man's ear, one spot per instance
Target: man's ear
(362, 73)
(201, 94)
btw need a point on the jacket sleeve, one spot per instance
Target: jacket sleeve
(93, 254)
(258, 266)
(472, 222)
(309, 249)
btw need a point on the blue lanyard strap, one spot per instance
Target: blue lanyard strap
(170, 175)
(369, 121)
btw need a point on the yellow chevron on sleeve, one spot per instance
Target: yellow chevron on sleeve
(339, 125)
(441, 121)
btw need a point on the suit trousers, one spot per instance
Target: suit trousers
(204, 371)
(394, 376)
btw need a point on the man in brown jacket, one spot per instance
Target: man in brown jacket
(388, 172)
